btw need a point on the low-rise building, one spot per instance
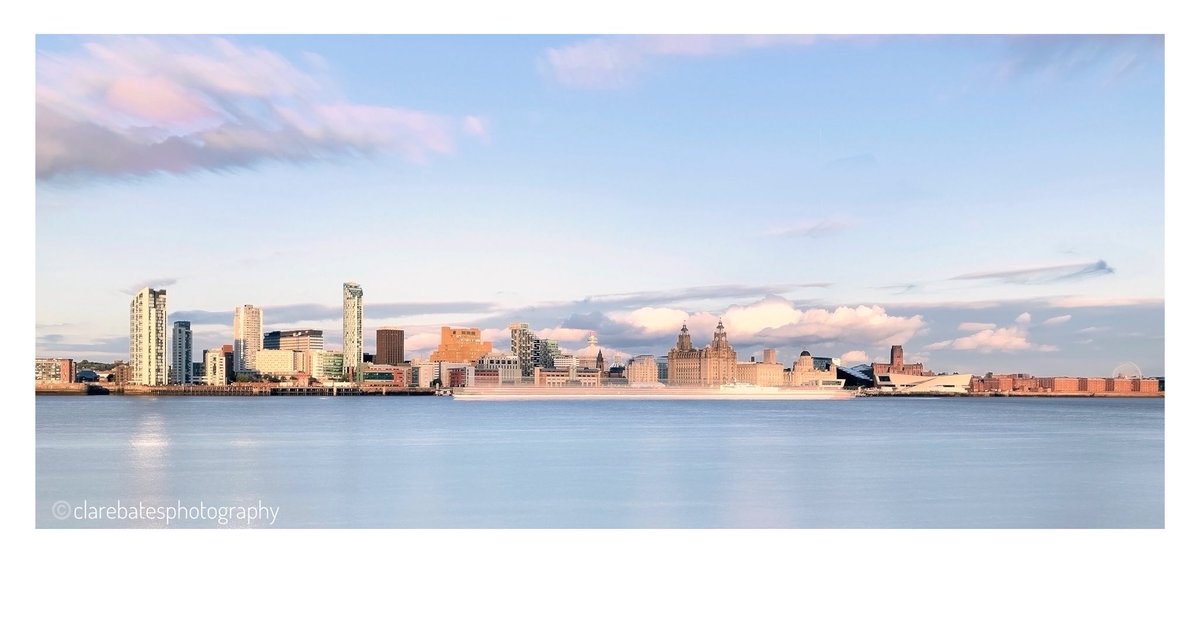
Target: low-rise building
(768, 372)
(642, 370)
(279, 363)
(506, 365)
(215, 372)
(551, 377)
(54, 370)
(807, 373)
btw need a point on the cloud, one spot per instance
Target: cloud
(1059, 57)
(694, 293)
(775, 321)
(1101, 302)
(854, 356)
(971, 325)
(133, 289)
(1054, 321)
(1010, 339)
(1024, 318)
(1042, 274)
(127, 106)
(609, 62)
(812, 228)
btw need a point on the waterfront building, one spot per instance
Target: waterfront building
(533, 351)
(582, 377)
(352, 331)
(767, 372)
(642, 371)
(387, 375)
(227, 352)
(148, 337)
(507, 367)
(663, 363)
(294, 340)
(897, 383)
(322, 365)
(181, 352)
(713, 365)
(215, 372)
(54, 370)
(280, 363)
(247, 337)
(897, 365)
(521, 340)
(809, 371)
(456, 375)
(389, 346)
(425, 373)
(122, 373)
(460, 345)
(544, 351)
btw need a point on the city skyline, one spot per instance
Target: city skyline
(992, 203)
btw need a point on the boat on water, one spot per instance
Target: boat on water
(729, 391)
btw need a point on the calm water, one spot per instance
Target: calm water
(436, 463)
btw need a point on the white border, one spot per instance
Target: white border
(589, 582)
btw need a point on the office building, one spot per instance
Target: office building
(181, 352)
(294, 340)
(460, 345)
(643, 370)
(352, 331)
(389, 346)
(148, 337)
(247, 337)
(507, 366)
(279, 363)
(712, 365)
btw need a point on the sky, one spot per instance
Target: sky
(993, 203)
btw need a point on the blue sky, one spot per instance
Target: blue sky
(993, 203)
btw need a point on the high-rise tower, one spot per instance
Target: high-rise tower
(352, 331)
(148, 337)
(181, 353)
(247, 337)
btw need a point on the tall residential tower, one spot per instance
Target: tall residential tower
(148, 337)
(181, 353)
(352, 331)
(247, 337)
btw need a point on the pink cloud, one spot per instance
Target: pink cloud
(139, 105)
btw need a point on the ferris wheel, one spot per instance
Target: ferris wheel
(1128, 370)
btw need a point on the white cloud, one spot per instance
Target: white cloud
(973, 326)
(653, 321)
(853, 357)
(1010, 339)
(1101, 302)
(141, 105)
(775, 320)
(613, 61)
(1054, 321)
(1024, 318)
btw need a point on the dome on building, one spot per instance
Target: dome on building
(804, 353)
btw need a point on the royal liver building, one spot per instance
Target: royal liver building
(713, 365)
